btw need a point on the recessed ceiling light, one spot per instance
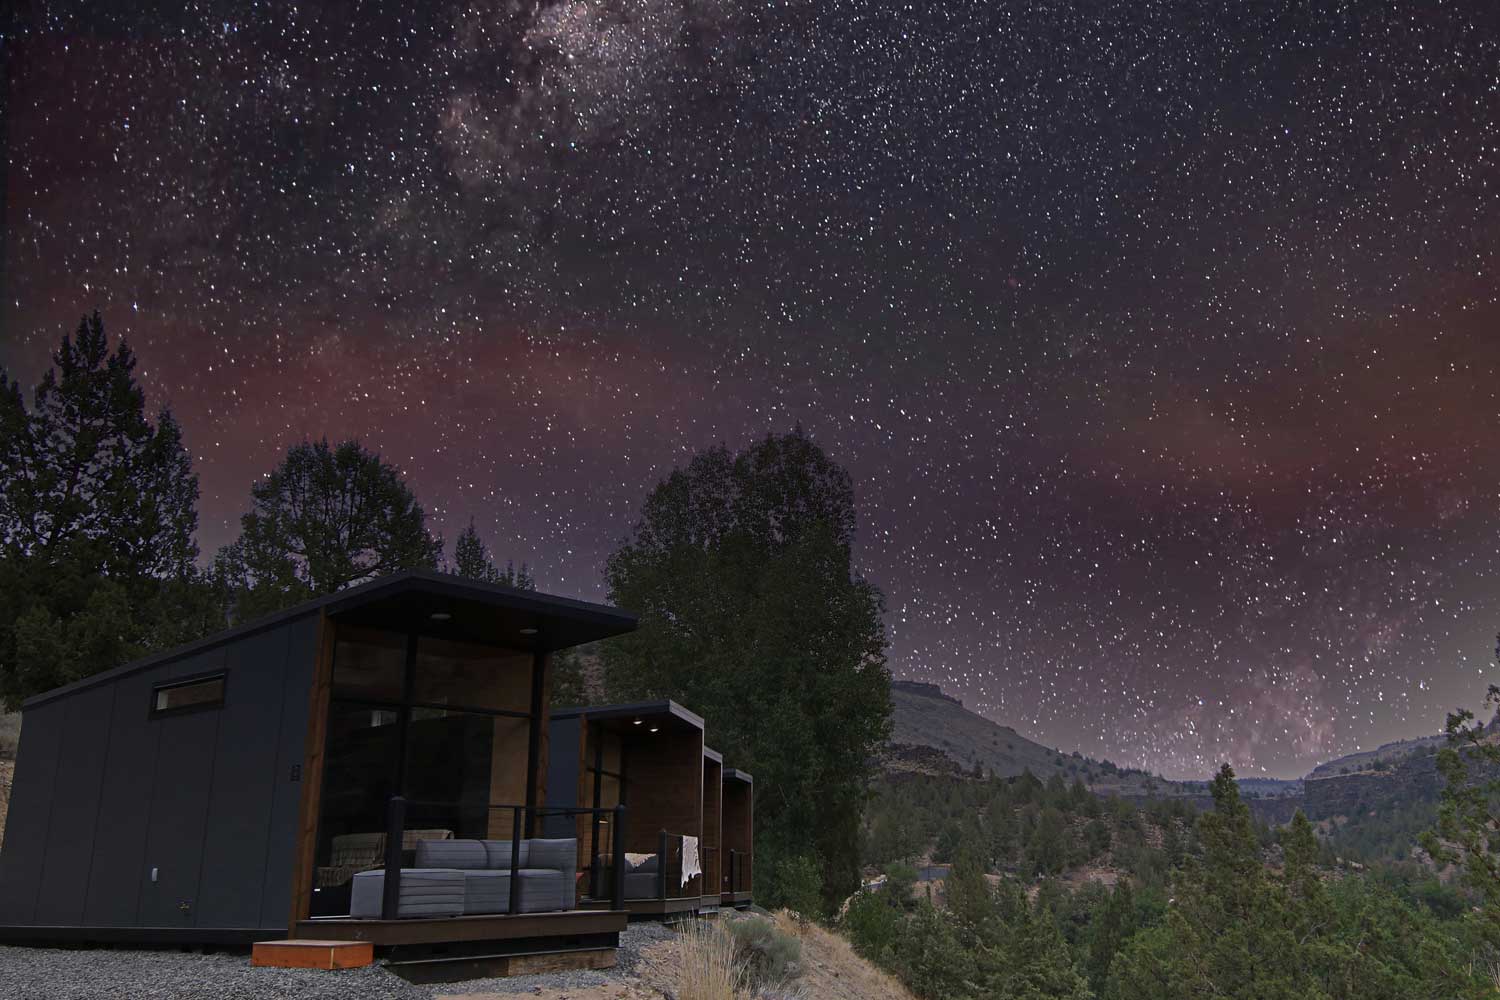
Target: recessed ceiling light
(441, 616)
(654, 728)
(639, 721)
(528, 631)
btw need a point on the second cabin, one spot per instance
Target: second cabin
(650, 758)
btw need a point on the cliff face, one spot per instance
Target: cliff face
(1410, 779)
(1372, 791)
(924, 690)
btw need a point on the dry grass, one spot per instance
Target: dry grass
(7, 774)
(832, 971)
(706, 966)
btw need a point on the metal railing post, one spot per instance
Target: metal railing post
(515, 862)
(661, 865)
(619, 853)
(395, 830)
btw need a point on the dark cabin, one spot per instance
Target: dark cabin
(738, 839)
(649, 758)
(263, 782)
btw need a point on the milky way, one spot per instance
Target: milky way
(1161, 342)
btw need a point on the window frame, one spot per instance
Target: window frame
(222, 676)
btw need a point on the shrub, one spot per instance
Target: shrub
(797, 885)
(873, 926)
(768, 956)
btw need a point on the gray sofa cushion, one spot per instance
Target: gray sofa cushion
(486, 891)
(497, 854)
(461, 854)
(542, 890)
(425, 892)
(559, 855)
(639, 886)
(648, 866)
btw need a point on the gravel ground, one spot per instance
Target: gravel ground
(633, 940)
(119, 974)
(122, 974)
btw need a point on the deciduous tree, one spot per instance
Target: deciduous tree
(751, 613)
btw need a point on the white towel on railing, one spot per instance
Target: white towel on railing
(690, 864)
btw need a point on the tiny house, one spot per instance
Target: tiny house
(649, 758)
(303, 774)
(738, 839)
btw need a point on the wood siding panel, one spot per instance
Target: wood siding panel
(713, 799)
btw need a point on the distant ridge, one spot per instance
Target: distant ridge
(927, 717)
(924, 689)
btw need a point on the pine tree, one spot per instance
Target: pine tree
(471, 558)
(97, 512)
(326, 518)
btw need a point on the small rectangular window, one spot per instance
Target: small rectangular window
(201, 692)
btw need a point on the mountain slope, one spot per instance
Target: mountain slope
(926, 717)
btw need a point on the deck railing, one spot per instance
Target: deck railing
(395, 823)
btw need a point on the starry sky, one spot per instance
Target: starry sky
(1161, 339)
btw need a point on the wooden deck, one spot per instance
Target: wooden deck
(655, 907)
(482, 927)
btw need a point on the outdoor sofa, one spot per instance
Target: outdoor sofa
(466, 877)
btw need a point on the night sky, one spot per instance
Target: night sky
(1161, 339)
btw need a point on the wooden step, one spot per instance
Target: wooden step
(308, 954)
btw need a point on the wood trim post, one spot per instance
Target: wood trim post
(305, 853)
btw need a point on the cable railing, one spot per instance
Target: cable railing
(396, 808)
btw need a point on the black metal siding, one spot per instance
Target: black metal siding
(230, 877)
(104, 793)
(113, 898)
(72, 820)
(30, 803)
(286, 800)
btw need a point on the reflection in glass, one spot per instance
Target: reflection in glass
(369, 664)
(472, 676)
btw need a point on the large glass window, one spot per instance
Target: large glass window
(454, 738)
(369, 664)
(359, 774)
(470, 676)
(464, 770)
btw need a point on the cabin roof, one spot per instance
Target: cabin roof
(731, 774)
(481, 612)
(713, 755)
(622, 717)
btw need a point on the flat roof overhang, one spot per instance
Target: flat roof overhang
(730, 774)
(713, 755)
(478, 612)
(666, 715)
